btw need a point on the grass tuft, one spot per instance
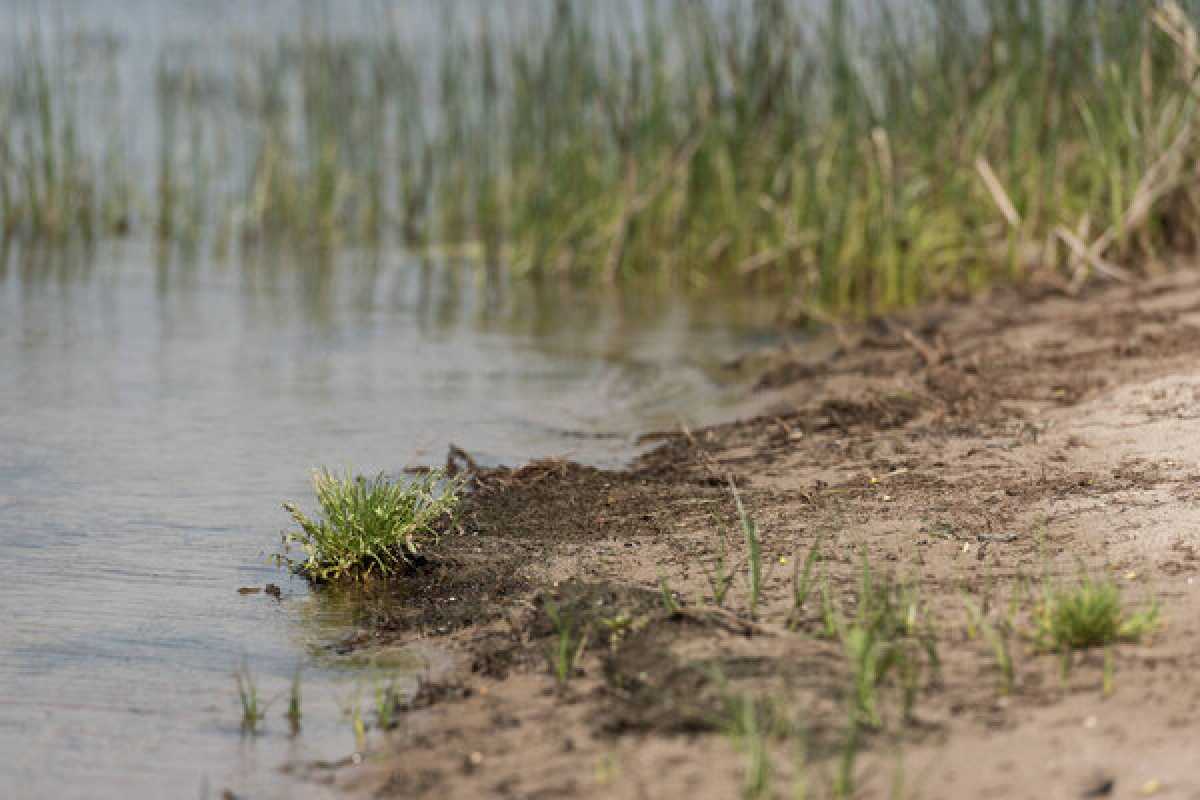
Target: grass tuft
(889, 637)
(369, 525)
(1089, 613)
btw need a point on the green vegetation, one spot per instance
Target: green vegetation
(803, 581)
(389, 699)
(754, 576)
(855, 166)
(749, 722)
(252, 709)
(294, 712)
(369, 525)
(998, 639)
(1089, 613)
(47, 183)
(846, 777)
(352, 711)
(887, 641)
(669, 599)
(1061, 618)
(568, 645)
(887, 636)
(1109, 685)
(720, 576)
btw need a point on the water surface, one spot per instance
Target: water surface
(152, 419)
(155, 410)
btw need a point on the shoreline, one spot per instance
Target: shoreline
(979, 455)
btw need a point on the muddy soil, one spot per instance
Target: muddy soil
(973, 457)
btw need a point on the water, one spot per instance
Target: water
(154, 413)
(152, 419)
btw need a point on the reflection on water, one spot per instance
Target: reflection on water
(155, 412)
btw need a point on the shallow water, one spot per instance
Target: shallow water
(154, 414)
(153, 418)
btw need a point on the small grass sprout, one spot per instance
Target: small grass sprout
(887, 636)
(669, 597)
(721, 576)
(252, 708)
(368, 525)
(753, 550)
(747, 732)
(845, 778)
(569, 644)
(617, 626)
(750, 723)
(389, 698)
(831, 621)
(294, 712)
(996, 639)
(803, 583)
(800, 779)
(352, 710)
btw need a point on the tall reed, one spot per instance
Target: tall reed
(851, 156)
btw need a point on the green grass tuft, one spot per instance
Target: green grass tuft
(889, 637)
(368, 525)
(1089, 613)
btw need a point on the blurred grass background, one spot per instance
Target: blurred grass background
(850, 158)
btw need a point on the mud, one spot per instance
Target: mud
(982, 451)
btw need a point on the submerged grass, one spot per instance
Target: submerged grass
(47, 183)
(856, 164)
(368, 525)
(389, 701)
(295, 712)
(252, 708)
(352, 712)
